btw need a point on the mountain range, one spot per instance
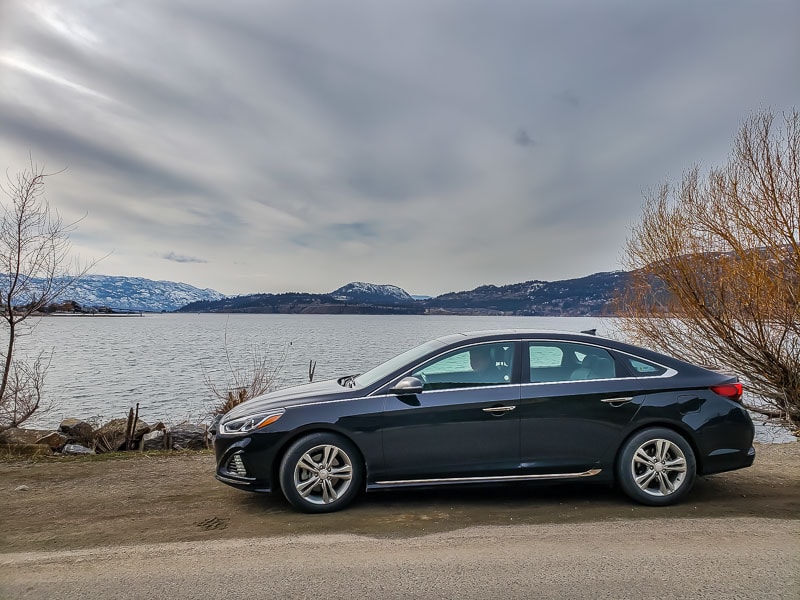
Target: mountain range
(585, 296)
(593, 295)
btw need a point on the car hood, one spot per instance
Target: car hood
(293, 396)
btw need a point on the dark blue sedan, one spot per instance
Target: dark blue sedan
(492, 407)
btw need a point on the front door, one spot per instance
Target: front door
(463, 424)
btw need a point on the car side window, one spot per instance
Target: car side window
(566, 361)
(475, 366)
(645, 369)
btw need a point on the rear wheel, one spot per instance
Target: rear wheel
(321, 472)
(656, 467)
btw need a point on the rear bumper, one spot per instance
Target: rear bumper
(728, 459)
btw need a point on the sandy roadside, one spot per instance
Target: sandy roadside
(62, 504)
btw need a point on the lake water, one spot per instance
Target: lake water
(102, 366)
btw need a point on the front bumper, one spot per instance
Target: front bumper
(238, 465)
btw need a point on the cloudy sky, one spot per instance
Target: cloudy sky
(274, 145)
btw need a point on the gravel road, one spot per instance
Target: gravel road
(660, 558)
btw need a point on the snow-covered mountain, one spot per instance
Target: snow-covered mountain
(371, 293)
(135, 293)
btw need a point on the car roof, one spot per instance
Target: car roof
(513, 333)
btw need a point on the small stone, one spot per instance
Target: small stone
(188, 437)
(54, 439)
(77, 430)
(153, 441)
(76, 449)
(21, 488)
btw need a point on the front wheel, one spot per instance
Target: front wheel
(321, 472)
(656, 467)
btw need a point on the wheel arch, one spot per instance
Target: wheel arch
(306, 431)
(680, 429)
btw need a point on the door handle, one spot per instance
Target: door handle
(617, 400)
(498, 410)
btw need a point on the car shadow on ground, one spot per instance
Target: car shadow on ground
(422, 511)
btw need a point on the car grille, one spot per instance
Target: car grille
(235, 466)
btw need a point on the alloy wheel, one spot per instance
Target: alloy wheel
(658, 467)
(323, 474)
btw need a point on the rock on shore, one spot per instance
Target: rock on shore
(76, 436)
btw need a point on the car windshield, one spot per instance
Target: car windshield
(407, 358)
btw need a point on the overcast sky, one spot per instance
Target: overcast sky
(268, 146)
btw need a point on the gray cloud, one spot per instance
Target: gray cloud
(331, 235)
(100, 155)
(179, 258)
(303, 145)
(523, 138)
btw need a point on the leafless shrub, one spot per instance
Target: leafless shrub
(716, 265)
(256, 376)
(23, 395)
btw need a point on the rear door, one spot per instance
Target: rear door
(573, 406)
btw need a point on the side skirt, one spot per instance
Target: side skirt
(494, 479)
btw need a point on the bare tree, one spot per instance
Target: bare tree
(716, 264)
(35, 270)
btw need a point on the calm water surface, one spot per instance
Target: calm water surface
(102, 366)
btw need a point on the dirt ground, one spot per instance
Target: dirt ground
(84, 502)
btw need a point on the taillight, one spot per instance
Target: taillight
(731, 391)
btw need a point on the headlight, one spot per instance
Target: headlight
(250, 422)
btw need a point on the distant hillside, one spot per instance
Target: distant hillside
(299, 303)
(586, 296)
(135, 293)
(591, 295)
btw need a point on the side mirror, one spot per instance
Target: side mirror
(407, 386)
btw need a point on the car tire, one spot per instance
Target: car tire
(321, 472)
(656, 467)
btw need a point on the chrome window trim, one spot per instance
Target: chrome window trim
(497, 478)
(563, 381)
